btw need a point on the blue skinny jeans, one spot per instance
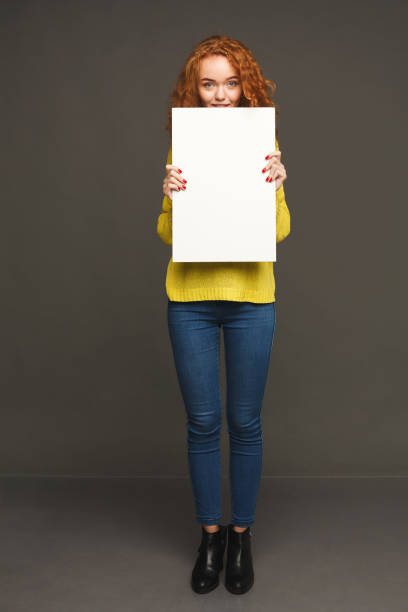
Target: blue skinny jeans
(194, 329)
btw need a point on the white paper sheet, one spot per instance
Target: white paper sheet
(228, 211)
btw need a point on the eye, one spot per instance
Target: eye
(234, 82)
(207, 84)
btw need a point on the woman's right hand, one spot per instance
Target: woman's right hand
(173, 180)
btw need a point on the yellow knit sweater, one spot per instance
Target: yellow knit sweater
(245, 281)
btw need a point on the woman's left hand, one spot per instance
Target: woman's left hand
(275, 168)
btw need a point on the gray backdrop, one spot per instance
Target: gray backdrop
(88, 383)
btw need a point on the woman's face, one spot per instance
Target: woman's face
(219, 83)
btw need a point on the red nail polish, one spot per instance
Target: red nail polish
(178, 188)
(264, 170)
(184, 181)
(183, 187)
(267, 157)
(179, 170)
(267, 179)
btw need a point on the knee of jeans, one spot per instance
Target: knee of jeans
(204, 424)
(243, 427)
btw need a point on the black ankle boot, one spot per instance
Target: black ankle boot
(239, 571)
(210, 561)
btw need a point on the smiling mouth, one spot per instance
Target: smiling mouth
(220, 104)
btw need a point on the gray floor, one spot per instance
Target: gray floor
(121, 545)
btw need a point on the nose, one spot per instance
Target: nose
(220, 95)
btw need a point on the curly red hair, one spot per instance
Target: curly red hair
(254, 85)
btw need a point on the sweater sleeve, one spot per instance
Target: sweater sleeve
(282, 212)
(165, 220)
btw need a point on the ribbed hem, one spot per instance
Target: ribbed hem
(211, 293)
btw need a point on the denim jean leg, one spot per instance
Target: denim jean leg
(195, 338)
(248, 335)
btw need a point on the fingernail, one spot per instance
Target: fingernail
(179, 170)
(267, 157)
(178, 188)
(183, 187)
(264, 170)
(184, 180)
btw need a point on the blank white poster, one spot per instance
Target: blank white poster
(228, 211)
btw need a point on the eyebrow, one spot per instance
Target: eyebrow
(229, 78)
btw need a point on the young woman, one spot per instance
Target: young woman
(240, 297)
